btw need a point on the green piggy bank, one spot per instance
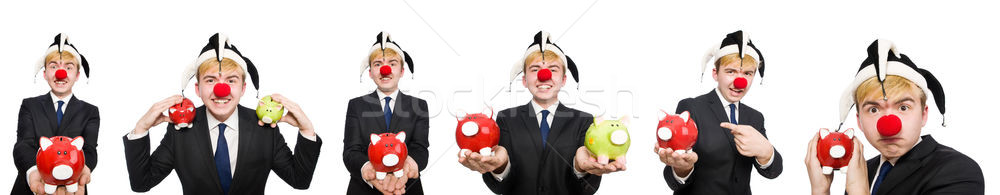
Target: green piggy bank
(607, 140)
(269, 111)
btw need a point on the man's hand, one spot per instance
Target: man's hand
(295, 117)
(819, 182)
(750, 143)
(155, 115)
(682, 163)
(37, 186)
(485, 164)
(857, 170)
(585, 162)
(368, 174)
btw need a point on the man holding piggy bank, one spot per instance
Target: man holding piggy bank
(541, 148)
(224, 135)
(890, 94)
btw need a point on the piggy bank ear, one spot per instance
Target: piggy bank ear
(625, 120)
(375, 138)
(461, 115)
(849, 133)
(172, 110)
(78, 142)
(44, 143)
(661, 115)
(823, 132)
(260, 102)
(686, 116)
(401, 136)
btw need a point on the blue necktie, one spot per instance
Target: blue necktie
(388, 112)
(545, 126)
(222, 160)
(59, 112)
(732, 114)
(883, 171)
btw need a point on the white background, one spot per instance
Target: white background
(635, 57)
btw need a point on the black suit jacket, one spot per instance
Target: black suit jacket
(365, 116)
(37, 118)
(720, 168)
(537, 168)
(930, 168)
(189, 152)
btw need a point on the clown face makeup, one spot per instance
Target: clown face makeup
(386, 71)
(61, 75)
(544, 79)
(734, 80)
(221, 92)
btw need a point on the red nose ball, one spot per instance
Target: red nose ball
(544, 75)
(385, 70)
(221, 90)
(740, 83)
(889, 125)
(61, 74)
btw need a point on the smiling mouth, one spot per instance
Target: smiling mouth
(544, 86)
(734, 90)
(221, 101)
(386, 78)
(61, 82)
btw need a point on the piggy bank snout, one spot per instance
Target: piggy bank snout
(619, 137)
(62, 172)
(837, 151)
(664, 133)
(390, 160)
(470, 129)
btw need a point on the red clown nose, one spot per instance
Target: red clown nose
(889, 125)
(385, 70)
(740, 83)
(544, 75)
(61, 74)
(221, 90)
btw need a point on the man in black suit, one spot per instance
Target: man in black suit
(387, 110)
(57, 113)
(541, 143)
(731, 136)
(890, 95)
(227, 150)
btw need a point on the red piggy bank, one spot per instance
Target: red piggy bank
(387, 153)
(60, 162)
(182, 114)
(834, 150)
(477, 132)
(677, 132)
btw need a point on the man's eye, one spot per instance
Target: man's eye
(904, 108)
(873, 110)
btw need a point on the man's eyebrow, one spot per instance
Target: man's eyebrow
(870, 103)
(905, 100)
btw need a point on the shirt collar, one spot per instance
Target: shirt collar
(538, 107)
(723, 99)
(55, 99)
(894, 161)
(381, 96)
(232, 123)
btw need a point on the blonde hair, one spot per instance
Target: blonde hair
(549, 54)
(386, 53)
(894, 86)
(227, 65)
(735, 57)
(66, 56)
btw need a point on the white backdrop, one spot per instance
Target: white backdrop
(635, 58)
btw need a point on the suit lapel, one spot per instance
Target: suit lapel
(245, 136)
(50, 113)
(907, 164)
(527, 115)
(402, 103)
(72, 108)
(720, 114)
(374, 106)
(559, 120)
(207, 155)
